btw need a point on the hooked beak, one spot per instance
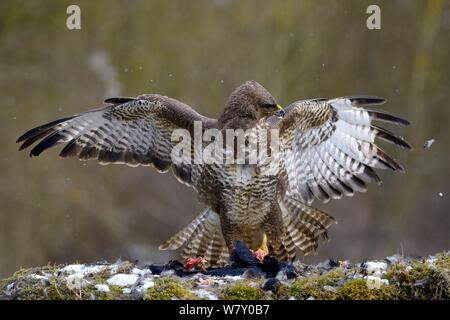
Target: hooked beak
(280, 111)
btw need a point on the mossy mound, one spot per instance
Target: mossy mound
(169, 289)
(243, 291)
(393, 278)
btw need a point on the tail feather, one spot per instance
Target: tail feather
(202, 237)
(184, 235)
(303, 225)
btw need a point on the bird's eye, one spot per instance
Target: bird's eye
(269, 106)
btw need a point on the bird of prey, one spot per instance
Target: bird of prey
(327, 149)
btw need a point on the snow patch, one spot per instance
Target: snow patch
(374, 282)
(75, 281)
(37, 276)
(123, 280)
(140, 272)
(82, 269)
(375, 268)
(205, 294)
(147, 284)
(102, 288)
(126, 290)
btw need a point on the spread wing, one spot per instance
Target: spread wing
(330, 146)
(134, 131)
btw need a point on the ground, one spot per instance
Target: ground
(395, 277)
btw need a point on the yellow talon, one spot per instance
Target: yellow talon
(263, 246)
(262, 250)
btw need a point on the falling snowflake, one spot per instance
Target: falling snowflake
(428, 144)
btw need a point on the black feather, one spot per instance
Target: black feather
(52, 140)
(389, 162)
(71, 149)
(88, 152)
(35, 132)
(387, 117)
(388, 136)
(119, 100)
(362, 100)
(369, 175)
(39, 135)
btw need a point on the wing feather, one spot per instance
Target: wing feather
(134, 131)
(330, 146)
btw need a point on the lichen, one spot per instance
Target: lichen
(168, 289)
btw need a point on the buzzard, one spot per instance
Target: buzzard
(327, 150)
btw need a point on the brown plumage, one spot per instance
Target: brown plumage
(327, 150)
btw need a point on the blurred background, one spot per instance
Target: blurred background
(62, 211)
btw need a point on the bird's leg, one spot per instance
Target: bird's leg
(263, 250)
(273, 228)
(229, 232)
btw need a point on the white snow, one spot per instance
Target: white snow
(330, 288)
(102, 288)
(73, 268)
(75, 281)
(374, 282)
(10, 286)
(126, 290)
(147, 284)
(82, 269)
(37, 276)
(205, 294)
(376, 268)
(233, 278)
(140, 272)
(122, 279)
(428, 143)
(430, 261)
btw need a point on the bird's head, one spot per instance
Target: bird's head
(249, 102)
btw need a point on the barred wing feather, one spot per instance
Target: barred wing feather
(330, 147)
(134, 131)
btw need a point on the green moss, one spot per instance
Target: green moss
(99, 277)
(31, 292)
(314, 286)
(422, 280)
(309, 287)
(168, 289)
(243, 291)
(282, 292)
(115, 293)
(22, 273)
(358, 290)
(330, 278)
(442, 261)
(404, 274)
(58, 291)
